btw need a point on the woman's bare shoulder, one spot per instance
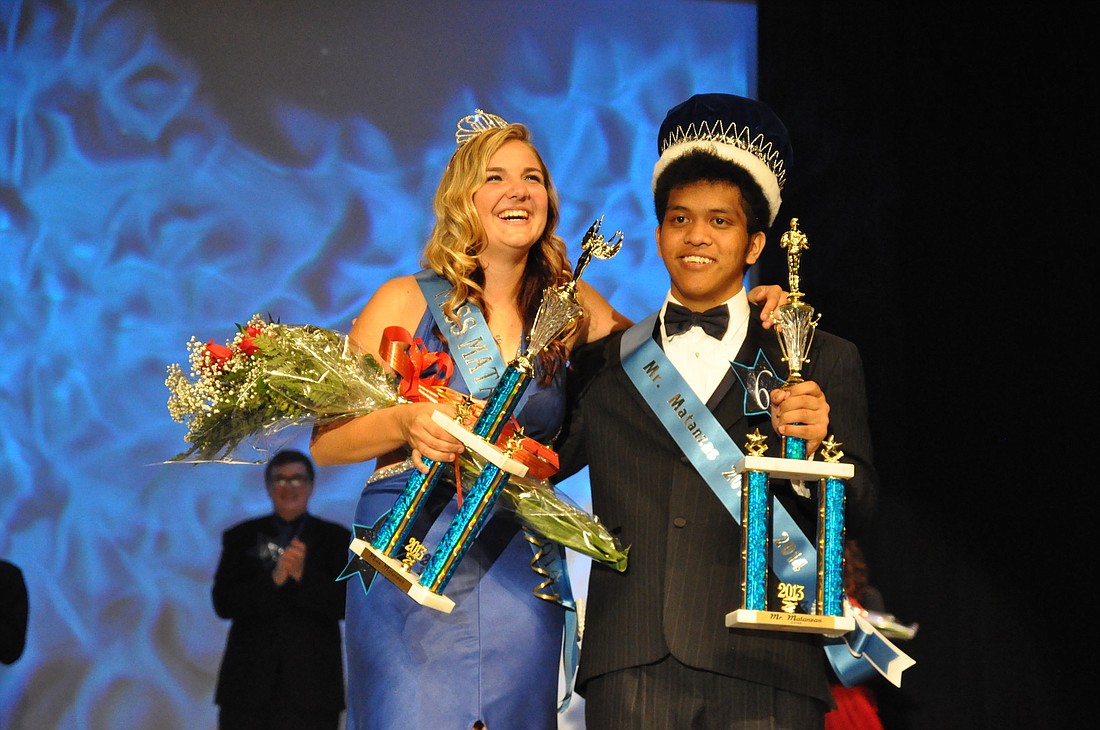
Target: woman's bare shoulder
(397, 302)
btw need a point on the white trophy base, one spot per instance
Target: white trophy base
(479, 445)
(396, 572)
(794, 468)
(803, 623)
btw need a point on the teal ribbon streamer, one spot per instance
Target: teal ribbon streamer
(551, 558)
(864, 651)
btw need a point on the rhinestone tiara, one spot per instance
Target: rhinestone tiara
(474, 124)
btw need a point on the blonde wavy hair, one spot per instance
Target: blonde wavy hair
(458, 238)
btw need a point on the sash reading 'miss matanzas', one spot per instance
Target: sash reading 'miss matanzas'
(478, 360)
(713, 454)
(473, 348)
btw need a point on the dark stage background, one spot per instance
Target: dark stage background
(169, 168)
(944, 171)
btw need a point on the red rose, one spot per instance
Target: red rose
(247, 346)
(218, 354)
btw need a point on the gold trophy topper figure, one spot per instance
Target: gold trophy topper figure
(830, 450)
(795, 321)
(559, 304)
(795, 242)
(756, 443)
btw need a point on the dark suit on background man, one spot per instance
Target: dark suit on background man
(283, 661)
(684, 573)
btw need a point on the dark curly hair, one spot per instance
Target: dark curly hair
(701, 165)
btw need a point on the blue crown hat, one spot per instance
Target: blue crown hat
(742, 130)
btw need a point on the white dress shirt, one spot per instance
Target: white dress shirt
(702, 360)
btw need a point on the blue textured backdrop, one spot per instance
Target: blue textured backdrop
(170, 169)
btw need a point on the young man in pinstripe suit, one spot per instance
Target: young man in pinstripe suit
(654, 408)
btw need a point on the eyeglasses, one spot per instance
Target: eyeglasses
(290, 481)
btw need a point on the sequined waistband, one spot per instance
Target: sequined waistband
(389, 471)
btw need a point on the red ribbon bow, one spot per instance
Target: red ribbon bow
(410, 359)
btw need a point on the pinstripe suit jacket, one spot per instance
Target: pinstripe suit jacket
(684, 567)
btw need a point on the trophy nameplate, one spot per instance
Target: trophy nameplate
(803, 623)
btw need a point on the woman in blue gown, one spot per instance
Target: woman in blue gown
(493, 660)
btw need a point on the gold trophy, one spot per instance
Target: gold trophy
(770, 541)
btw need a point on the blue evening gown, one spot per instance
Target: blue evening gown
(495, 657)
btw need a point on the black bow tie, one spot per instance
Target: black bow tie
(713, 321)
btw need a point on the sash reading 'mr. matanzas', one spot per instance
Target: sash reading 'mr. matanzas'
(710, 449)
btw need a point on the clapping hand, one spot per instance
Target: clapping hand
(291, 563)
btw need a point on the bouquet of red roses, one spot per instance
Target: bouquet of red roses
(270, 376)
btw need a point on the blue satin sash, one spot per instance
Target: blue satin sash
(711, 451)
(472, 347)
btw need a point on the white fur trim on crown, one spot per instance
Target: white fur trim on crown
(759, 169)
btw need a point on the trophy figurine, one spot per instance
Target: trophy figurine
(795, 325)
(557, 311)
(803, 600)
